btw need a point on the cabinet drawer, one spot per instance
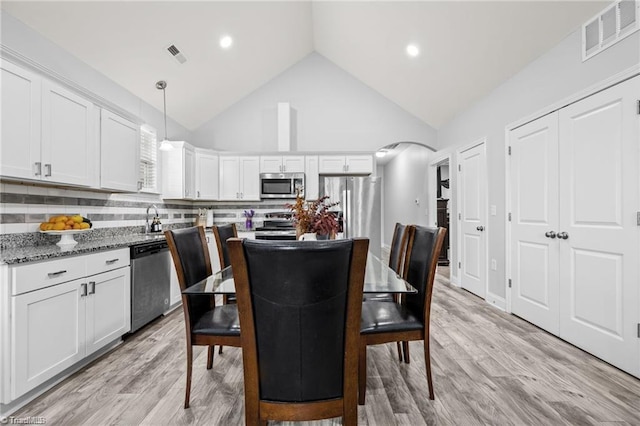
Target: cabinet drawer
(107, 261)
(39, 275)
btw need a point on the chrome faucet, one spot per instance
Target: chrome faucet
(147, 227)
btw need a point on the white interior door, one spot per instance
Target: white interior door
(472, 187)
(599, 157)
(534, 208)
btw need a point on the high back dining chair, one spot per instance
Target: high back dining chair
(300, 306)
(396, 258)
(205, 324)
(222, 234)
(384, 322)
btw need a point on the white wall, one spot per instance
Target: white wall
(332, 111)
(19, 38)
(554, 76)
(405, 181)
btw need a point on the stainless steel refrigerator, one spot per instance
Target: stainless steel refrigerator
(360, 205)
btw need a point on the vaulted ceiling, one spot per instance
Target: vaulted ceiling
(467, 48)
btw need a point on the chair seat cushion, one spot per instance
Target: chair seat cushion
(378, 297)
(222, 320)
(384, 317)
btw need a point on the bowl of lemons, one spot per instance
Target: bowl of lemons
(66, 227)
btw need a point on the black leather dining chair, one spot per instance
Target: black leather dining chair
(384, 322)
(300, 306)
(206, 324)
(222, 234)
(396, 259)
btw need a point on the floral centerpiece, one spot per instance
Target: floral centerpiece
(314, 217)
(248, 218)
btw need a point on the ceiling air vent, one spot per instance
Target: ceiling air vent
(175, 52)
(610, 26)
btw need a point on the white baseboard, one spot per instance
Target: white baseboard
(496, 301)
(455, 281)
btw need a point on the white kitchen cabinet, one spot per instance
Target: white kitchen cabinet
(20, 148)
(57, 319)
(48, 330)
(48, 132)
(175, 294)
(345, 164)
(239, 178)
(207, 175)
(178, 172)
(213, 252)
(69, 144)
(311, 178)
(119, 153)
(282, 164)
(108, 308)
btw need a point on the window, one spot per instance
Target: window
(148, 159)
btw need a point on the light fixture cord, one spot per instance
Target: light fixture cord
(164, 97)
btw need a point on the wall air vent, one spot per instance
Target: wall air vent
(610, 26)
(175, 52)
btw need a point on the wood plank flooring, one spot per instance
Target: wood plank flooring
(489, 368)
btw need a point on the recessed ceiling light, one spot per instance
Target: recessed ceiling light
(226, 42)
(381, 153)
(412, 50)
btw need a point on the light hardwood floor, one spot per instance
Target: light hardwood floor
(489, 368)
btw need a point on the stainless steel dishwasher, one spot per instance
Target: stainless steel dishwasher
(150, 281)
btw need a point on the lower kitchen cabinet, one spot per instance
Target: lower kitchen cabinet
(54, 325)
(108, 310)
(48, 329)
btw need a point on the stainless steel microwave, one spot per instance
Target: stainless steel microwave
(281, 185)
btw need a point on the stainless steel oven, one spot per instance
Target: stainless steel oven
(281, 185)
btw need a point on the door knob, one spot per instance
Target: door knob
(550, 234)
(480, 228)
(563, 235)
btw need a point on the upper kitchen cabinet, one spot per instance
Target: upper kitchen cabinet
(207, 175)
(21, 108)
(240, 178)
(282, 164)
(178, 172)
(48, 132)
(345, 164)
(119, 153)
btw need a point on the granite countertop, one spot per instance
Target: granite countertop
(17, 255)
(34, 253)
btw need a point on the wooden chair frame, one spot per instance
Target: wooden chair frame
(405, 336)
(196, 339)
(219, 242)
(257, 411)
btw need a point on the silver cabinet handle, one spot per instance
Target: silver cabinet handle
(550, 234)
(480, 228)
(83, 291)
(55, 274)
(47, 170)
(198, 192)
(563, 235)
(92, 287)
(139, 185)
(111, 261)
(37, 168)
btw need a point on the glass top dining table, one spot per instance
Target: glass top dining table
(378, 278)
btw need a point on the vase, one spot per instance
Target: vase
(308, 236)
(248, 223)
(322, 237)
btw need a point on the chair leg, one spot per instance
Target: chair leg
(405, 348)
(220, 350)
(210, 352)
(362, 373)
(399, 347)
(427, 364)
(187, 395)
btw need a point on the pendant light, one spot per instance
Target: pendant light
(164, 145)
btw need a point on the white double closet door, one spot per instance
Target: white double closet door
(575, 239)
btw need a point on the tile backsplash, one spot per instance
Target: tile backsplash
(24, 206)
